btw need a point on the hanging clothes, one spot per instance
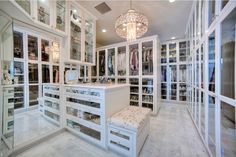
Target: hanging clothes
(134, 61)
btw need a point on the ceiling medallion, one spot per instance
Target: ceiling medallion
(131, 25)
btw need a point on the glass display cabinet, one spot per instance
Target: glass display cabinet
(134, 60)
(101, 62)
(183, 51)
(60, 15)
(147, 58)
(121, 65)
(172, 53)
(43, 11)
(82, 36)
(163, 54)
(111, 62)
(134, 91)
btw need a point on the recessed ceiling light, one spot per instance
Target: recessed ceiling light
(172, 38)
(104, 30)
(171, 1)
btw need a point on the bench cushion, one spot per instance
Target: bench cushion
(131, 118)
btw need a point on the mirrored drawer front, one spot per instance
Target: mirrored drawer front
(84, 130)
(52, 88)
(84, 102)
(85, 92)
(52, 95)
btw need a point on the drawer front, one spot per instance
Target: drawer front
(85, 92)
(121, 138)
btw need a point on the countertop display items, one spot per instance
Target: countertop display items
(174, 70)
(134, 63)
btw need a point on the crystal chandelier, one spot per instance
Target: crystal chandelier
(131, 25)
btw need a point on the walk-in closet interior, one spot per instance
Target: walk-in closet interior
(120, 78)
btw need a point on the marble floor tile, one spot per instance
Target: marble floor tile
(29, 125)
(172, 134)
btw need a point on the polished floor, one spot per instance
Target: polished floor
(30, 125)
(3, 149)
(172, 135)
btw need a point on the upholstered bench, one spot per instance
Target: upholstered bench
(128, 130)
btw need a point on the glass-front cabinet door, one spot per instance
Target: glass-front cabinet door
(89, 41)
(75, 34)
(147, 58)
(43, 11)
(60, 15)
(111, 62)
(82, 36)
(121, 65)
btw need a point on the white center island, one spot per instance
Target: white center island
(88, 106)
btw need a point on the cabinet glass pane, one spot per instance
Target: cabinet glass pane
(197, 69)
(102, 62)
(19, 97)
(211, 62)
(18, 72)
(163, 54)
(111, 62)
(202, 66)
(197, 23)
(32, 47)
(163, 91)
(228, 130)
(43, 11)
(121, 65)
(147, 58)
(134, 59)
(211, 124)
(25, 4)
(55, 52)
(211, 11)
(45, 50)
(173, 73)
(18, 45)
(163, 74)
(228, 55)
(94, 68)
(89, 36)
(202, 114)
(183, 51)
(182, 73)
(182, 92)
(197, 107)
(61, 12)
(33, 73)
(203, 16)
(56, 74)
(223, 3)
(33, 95)
(173, 91)
(75, 32)
(172, 53)
(45, 74)
(134, 96)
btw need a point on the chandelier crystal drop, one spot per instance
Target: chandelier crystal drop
(131, 25)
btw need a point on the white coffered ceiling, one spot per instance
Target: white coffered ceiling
(165, 19)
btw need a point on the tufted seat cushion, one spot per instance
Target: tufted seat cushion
(131, 118)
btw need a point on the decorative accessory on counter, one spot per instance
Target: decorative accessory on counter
(131, 25)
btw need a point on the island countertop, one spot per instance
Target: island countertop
(98, 85)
